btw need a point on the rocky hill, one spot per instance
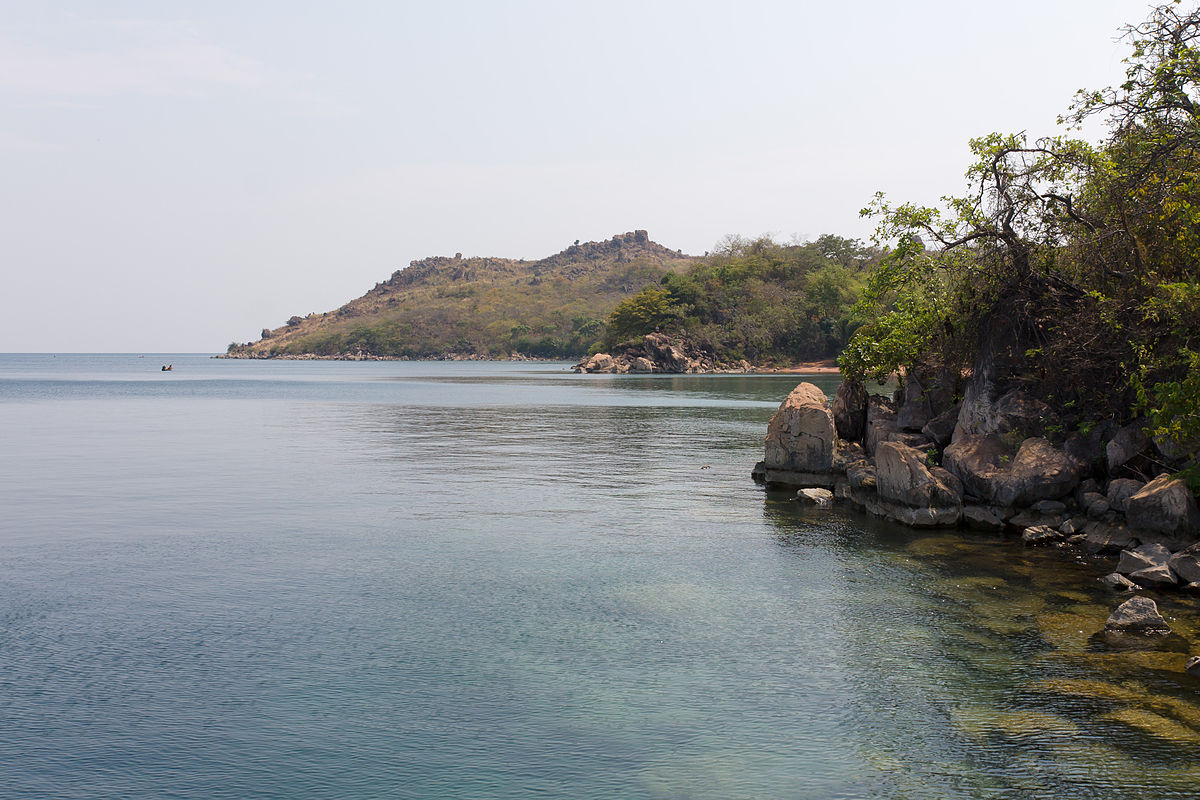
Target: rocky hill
(483, 307)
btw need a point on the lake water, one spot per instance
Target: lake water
(246, 579)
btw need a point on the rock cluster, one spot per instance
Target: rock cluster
(657, 352)
(924, 460)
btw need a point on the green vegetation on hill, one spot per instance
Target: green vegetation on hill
(486, 307)
(1086, 258)
(754, 299)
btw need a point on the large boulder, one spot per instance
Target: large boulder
(1039, 471)
(1164, 506)
(975, 460)
(801, 434)
(903, 476)
(850, 410)
(1137, 615)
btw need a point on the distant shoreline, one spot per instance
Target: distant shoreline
(826, 367)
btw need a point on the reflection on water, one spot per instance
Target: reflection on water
(983, 654)
(501, 581)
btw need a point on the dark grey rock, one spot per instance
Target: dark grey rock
(1143, 557)
(1186, 563)
(1192, 666)
(846, 453)
(1129, 442)
(1138, 615)
(982, 518)
(941, 428)
(1073, 526)
(1156, 576)
(861, 474)
(1049, 507)
(1118, 582)
(1029, 517)
(850, 410)
(1120, 490)
(1106, 537)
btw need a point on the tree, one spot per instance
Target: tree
(1087, 255)
(649, 310)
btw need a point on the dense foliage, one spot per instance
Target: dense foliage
(1087, 255)
(755, 299)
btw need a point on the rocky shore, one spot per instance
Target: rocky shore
(657, 352)
(929, 457)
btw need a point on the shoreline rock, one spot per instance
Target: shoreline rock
(997, 473)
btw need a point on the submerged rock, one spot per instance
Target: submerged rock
(815, 497)
(1138, 615)
(1192, 666)
(982, 518)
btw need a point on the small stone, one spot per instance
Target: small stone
(1137, 615)
(815, 497)
(1191, 588)
(1192, 667)
(1040, 535)
(1049, 507)
(1118, 582)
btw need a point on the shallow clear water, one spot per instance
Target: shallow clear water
(464, 580)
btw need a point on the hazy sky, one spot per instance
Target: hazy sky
(176, 176)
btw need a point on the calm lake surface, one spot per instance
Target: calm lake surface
(247, 579)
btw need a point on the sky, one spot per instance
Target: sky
(179, 175)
